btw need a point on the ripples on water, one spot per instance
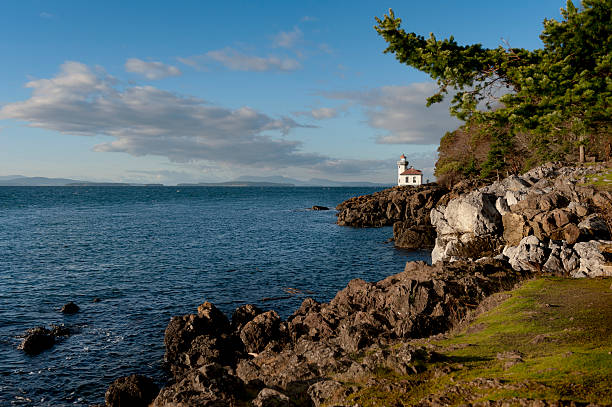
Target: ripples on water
(152, 252)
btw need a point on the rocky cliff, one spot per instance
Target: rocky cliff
(260, 359)
(406, 208)
(544, 220)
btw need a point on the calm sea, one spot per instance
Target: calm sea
(149, 253)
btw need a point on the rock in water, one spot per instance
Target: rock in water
(319, 208)
(131, 391)
(70, 308)
(37, 340)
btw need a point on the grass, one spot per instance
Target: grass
(559, 330)
(602, 180)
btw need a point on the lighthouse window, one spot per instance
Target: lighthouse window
(414, 179)
(407, 179)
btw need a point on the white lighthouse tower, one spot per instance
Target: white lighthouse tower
(402, 164)
(407, 176)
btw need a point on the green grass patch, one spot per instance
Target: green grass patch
(602, 180)
(551, 339)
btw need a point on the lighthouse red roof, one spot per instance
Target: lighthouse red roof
(402, 156)
(411, 171)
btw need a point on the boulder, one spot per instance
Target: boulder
(515, 228)
(325, 391)
(473, 213)
(467, 227)
(242, 315)
(70, 308)
(466, 246)
(182, 330)
(319, 208)
(594, 227)
(262, 330)
(271, 398)
(571, 233)
(209, 385)
(131, 391)
(37, 340)
(529, 255)
(595, 260)
(206, 349)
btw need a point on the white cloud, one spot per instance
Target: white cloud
(151, 70)
(46, 14)
(320, 113)
(402, 113)
(287, 39)
(326, 48)
(309, 19)
(236, 61)
(189, 61)
(144, 120)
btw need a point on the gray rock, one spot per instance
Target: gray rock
(466, 227)
(512, 198)
(593, 261)
(594, 227)
(529, 255)
(474, 213)
(502, 206)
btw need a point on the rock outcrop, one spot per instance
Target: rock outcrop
(543, 220)
(131, 391)
(262, 359)
(406, 208)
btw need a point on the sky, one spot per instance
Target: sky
(202, 91)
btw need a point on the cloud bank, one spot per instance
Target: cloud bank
(401, 112)
(237, 61)
(144, 120)
(151, 70)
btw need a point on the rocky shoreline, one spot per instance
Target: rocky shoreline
(484, 242)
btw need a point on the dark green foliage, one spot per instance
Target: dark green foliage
(560, 95)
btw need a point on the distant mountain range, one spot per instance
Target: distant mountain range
(313, 182)
(244, 181)
(21, 181)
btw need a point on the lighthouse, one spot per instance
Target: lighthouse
(407, 175)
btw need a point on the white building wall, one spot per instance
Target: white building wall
(409, 180)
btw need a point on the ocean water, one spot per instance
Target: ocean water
(149, 253)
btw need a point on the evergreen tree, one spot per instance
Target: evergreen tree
(560, 95)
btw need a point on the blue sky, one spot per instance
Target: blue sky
(187, 91)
